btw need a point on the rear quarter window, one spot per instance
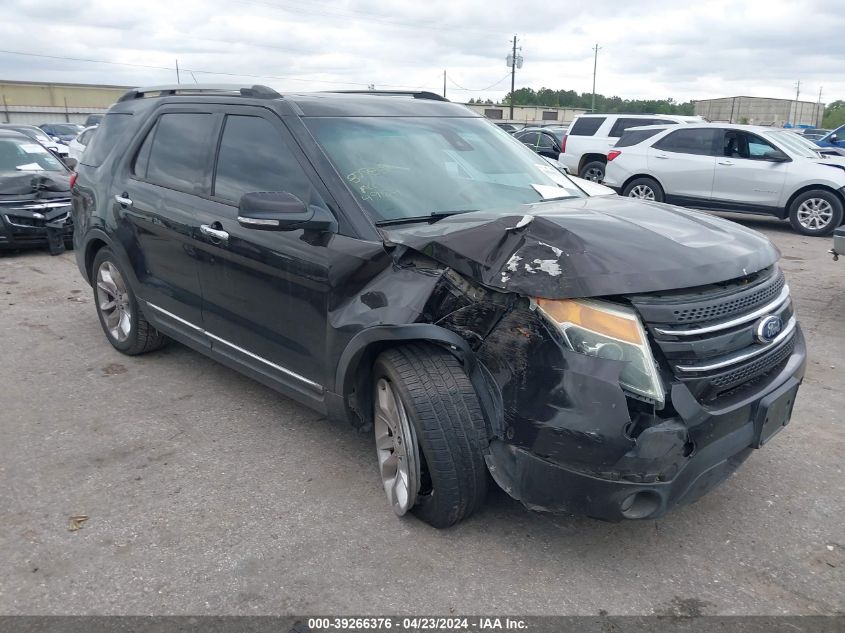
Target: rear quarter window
(635, 137)
(586, 125)
(109, 133)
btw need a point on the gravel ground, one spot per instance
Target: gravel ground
(207, 493)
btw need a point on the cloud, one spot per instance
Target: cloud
(649, 48)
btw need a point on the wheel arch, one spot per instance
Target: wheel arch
(94, 242)
(838, 193)
(631, 179)
(590, 157)
(353, 378)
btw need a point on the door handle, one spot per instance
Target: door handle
(123, 200)
(662, 156)
(726, 162)
(213, 233)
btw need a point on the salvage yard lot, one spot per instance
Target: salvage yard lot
(206, 492)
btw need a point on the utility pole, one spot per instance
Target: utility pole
(819, 113)
(177, 72)
(596, 49)
(513, 75)
(444, 84)
(797, 92)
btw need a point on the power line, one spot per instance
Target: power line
(201, 71)
(478, 89)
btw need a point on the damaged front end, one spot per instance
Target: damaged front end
(615, 358)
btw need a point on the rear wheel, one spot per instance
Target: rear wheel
(430, 434)
(644, 189)
(594, 170)
(816, 212)
(120, 316)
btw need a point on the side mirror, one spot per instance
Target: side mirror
(71, 163)
(282, 211)
(778, 157)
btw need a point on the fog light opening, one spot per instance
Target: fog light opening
(640, 505)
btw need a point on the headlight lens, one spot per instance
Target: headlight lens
(606, 330)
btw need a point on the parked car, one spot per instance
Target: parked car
(814, 134)
(510, 128)
(93, 120)
(836, 138)
(544, 141)
(62, 132)
(591, 136)
(395, 262)
(78, 145)
(731, 168)
(38, 135)
(34, 193)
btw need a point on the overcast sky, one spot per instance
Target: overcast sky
(649, 48)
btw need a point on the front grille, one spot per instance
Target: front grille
(707, 336)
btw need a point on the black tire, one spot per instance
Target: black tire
(808, 196)
(594, 170)
(451, 435)
(68, 243)
(644, 182)
(142, 337)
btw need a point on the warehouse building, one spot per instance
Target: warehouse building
(526, 114)
(761, 111)
(34, 103)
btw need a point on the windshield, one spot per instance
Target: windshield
(18, 155)
(403, 167)
(796, 145)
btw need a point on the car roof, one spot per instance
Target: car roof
(305, 104)
(732, 126)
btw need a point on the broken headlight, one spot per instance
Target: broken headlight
(606, 330)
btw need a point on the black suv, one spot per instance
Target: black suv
(396, 261)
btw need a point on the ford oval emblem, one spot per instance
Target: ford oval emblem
(768, 328)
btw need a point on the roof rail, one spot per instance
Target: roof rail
(416, 94)
(256, 91)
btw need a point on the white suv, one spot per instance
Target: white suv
(732, 168)
(591, 136)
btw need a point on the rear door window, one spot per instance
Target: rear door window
(181, 150)
(586, 125)
(699, 141)
(529, 138)
(634, 137)
(109, 134)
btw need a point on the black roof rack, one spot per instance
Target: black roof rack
(256, 91)
(416, 94)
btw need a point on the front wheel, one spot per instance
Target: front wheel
(815, 212)
(430, 434)
(644, 189)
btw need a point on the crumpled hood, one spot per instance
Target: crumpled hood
(591, 247)
(27, 182)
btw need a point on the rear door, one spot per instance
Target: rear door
(746, 172)
(684, 161)
(158, 208)
(265, 293)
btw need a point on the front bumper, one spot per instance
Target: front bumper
(724, 436)
(17, 231)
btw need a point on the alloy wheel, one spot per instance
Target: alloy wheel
(815, 213)
(396, 448)
(643, 192)
(595, 174)
(113, 301)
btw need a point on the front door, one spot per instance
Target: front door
(747, 172)
(265, 293)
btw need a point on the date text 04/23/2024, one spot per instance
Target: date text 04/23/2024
(455, 624)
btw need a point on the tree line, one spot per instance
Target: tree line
(834, 113)
(546, 97)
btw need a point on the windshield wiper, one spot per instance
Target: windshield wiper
(431, 218)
